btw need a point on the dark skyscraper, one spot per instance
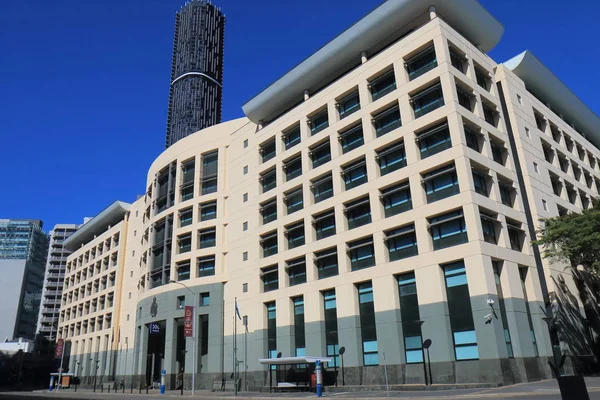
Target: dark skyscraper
(196, 92)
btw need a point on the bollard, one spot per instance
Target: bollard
(163, 377)
(131, 386)
(146, 388)
(51, 384)
(140, 387)
(102, 388)
(319, 373)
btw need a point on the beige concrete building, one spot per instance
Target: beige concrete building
(383, 192)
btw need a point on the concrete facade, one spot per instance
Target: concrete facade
(436, 120)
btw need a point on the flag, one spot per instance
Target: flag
(237, 310)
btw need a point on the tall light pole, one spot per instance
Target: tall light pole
(194, 353)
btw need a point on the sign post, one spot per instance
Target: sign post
(163, 377)
(319, 373)
(60, 353)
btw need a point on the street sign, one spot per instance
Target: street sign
(60, 346)
(188, 322)
(154, 328)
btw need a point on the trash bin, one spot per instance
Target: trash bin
(573, 387)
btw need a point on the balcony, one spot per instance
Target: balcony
(49, 319)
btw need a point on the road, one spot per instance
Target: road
(544, 390)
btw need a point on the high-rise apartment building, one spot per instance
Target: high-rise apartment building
(383, 192)
(196, 89)
(23, 250)
(54, 277)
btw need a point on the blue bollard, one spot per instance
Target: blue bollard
(319, 373)
(163, 375)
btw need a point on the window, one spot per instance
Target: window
(184, 243)
(401, 242)
(245, 226)
(295, 235)
(299, 332)
(185, 217)
(271, 330)
(209, 172)
(187, 180)
(480, 181)
(204, 299)
(507, 193)
(459, 309)
(327, 263)
(391, 158)
(267, 150)
(434, 140)
(320, 154)
(268, 210)
(411, 323)
(245, 256)
(490, 114)
(448, 230)
(206, 266)
(382, 85)
(465, 98)
(318, 122)
(458, 60)
(427, 100)
(523, 276)
(387, 120)
(181, 302)
(245, 170)
(292, 168)
(489, 224)
(527, 132)
(441, 183)
(322, 188)
(355, 174)
(245, 197)
(208, 211)
(368, 332)
(296, 270)
(245, 143)
(207, 238)
(535, 168)
(545, 205)
(270, 277)
(520, 100)
(516, 235)
(324, 224)
(291, 137)
(269, 243)
(358, 212)
(483, 80)
(472, 137)
(421, 63)
(396, 199)
(348, 104)
(268, 180)
(244, 288)
(294, 200)
(361, 253)
(497, 266)
(183, 270)
(351, 138)
(331, 327)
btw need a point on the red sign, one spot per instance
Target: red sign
(60, 344)
(188, 322)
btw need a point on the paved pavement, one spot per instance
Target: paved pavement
(543, 390)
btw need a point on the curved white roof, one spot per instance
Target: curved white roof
(381, 27)
(539, 79)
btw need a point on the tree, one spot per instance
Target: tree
(574, 239)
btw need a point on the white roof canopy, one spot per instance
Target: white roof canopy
(294, 360)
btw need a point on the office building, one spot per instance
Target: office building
(383, 192)
(196, 89)
(23, 251)
(53, 280)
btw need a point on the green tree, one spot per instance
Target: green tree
(573, 239)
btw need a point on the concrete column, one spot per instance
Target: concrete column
(143, 351)
(285, 327)
(432, 13)
(516, 313)
(349, 326)
(387, 319)
(171, 352)
(314, 324)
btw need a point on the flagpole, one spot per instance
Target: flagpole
(235, 311)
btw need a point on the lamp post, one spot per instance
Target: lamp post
(194, 352)
(77, 366)
(341, 352)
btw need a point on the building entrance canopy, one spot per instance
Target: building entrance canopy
(294, 360)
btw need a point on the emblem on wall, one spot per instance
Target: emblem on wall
(153, 308)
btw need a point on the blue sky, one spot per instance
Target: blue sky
(84, 84)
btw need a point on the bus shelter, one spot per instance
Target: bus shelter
(294, 373)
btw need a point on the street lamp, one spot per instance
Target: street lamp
(77, 366)
(194, 353)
